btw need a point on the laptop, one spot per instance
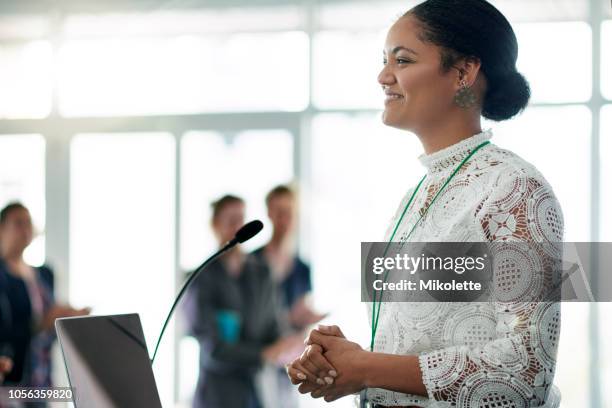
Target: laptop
(107, 361)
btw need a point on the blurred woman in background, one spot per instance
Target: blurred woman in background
(27, 304)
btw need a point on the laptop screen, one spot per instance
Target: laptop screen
(107, 362)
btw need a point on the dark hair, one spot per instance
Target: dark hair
(279, 191)
(220, 204)
(476, 29)
(6, 211)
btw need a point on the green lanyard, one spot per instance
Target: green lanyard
(375, 310)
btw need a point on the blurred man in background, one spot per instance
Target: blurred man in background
(291, 276)
(231, 311)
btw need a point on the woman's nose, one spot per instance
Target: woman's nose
(385, 77)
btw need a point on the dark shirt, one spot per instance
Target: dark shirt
(30, 351)
(296, 284)
(228, 366)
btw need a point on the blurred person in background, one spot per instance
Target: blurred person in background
(27, 304)
(6, 365)
(230, 309)
(291, 276)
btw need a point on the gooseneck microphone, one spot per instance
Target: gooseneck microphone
(248, 231)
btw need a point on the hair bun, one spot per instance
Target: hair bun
(506, 96)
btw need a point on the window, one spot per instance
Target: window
(605, 174)
(605, 358)
(111, 67)
(22, 178)
(572, 371)
(172, 22)
(122, 233)
(346, 69)
(20, 27)
(606, 59)
(25, 80)
(360, 16)
(247, 164)
(360, 172)
(347, 53)
(547, 52)
(549, 136)
(543, 10)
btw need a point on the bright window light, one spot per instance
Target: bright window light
(187, 74)
(547, 52)
(22, 178)
(606, 59)
(547, 137)
(23, 26)
(543, 10)
(361, 16)
(25, 80)
(605, 358)
(361, 169)
(122, 233)
(170, 22)
(249, 165)
(572, 370)
(605, 174)
(346, 67)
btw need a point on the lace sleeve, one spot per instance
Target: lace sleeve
(516, 367)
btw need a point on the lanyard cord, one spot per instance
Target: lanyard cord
(375, 310)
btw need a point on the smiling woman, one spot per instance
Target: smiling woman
(447, 63)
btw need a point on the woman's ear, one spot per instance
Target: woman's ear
(468, 69)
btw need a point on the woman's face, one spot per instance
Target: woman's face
(417, 93)
(16, 232)
(229, 220)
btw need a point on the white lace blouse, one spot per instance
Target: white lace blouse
(478, 354)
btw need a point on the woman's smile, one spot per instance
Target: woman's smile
(392, 96)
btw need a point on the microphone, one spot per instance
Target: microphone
(246, 232)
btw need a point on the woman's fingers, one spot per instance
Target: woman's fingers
(319, 392)
(320, 338)
(313, 355)
(298, 373)
(331, 330)
(332, 397)
(307, 387)
(311, 368)
(335, 393)
(295, 375)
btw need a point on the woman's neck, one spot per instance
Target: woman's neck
(446, 135)
(17, 266)
(12, 257)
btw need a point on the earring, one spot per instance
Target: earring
(464, 97)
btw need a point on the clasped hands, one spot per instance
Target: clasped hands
(329, 367)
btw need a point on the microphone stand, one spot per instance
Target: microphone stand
(227, 246)
(245, 233)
